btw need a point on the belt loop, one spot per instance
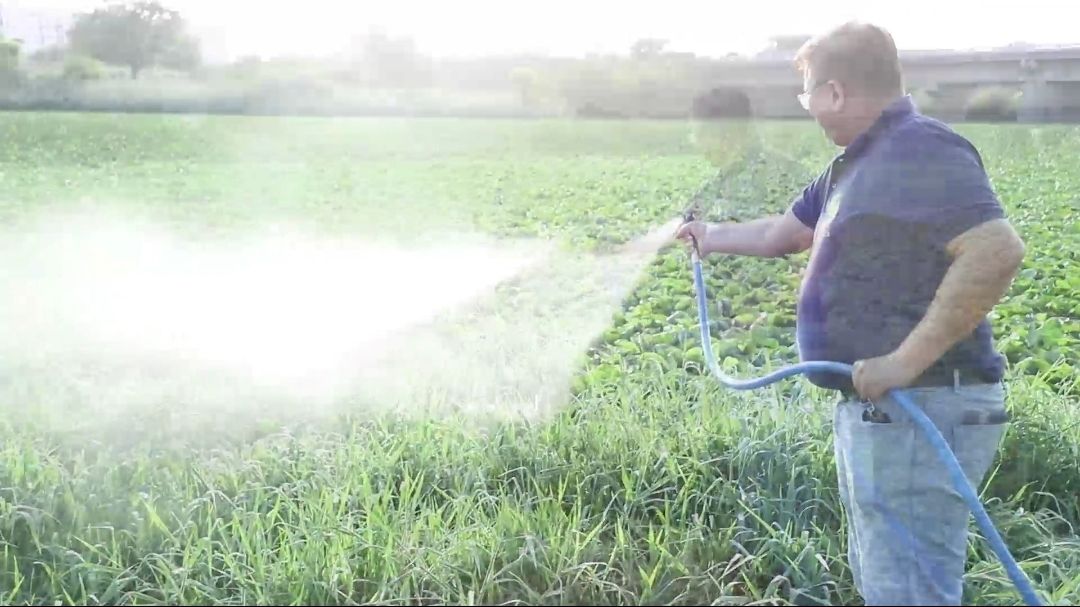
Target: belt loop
(956, 380)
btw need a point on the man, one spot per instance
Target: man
(909, 251)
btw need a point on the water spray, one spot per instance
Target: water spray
(960, 481)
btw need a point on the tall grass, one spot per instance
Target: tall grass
(660, 489)
(650, 488)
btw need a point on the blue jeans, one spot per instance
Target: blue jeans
(907, 524)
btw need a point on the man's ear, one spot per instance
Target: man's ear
(839, 95)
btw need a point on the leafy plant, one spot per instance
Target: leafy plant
(653, 485)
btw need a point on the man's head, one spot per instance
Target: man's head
(850, 74)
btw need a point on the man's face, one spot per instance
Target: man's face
(824, 100)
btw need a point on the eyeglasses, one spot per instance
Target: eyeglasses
(804, 98)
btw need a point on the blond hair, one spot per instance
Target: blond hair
(859, 55)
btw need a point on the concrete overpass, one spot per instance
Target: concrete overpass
(1046, 80)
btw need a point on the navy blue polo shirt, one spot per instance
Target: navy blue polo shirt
(883, 212)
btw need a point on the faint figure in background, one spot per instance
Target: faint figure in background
(724, 131)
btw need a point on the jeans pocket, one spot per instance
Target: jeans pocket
(975, 446)
(881, 454)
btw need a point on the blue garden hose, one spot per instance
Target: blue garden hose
(961, 482)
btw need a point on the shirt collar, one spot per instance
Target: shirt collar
(893, 113)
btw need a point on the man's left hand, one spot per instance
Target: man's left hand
(874, 377)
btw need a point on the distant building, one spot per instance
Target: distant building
(1038, 83)
(782, 47)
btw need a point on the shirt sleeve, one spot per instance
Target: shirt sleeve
(807, 206)
(938, 183)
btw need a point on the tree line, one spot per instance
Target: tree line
(145, 35)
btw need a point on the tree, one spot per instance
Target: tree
(9, 63)
(9, 54)
(525, 80)
(183, 55)
(136, 35)
(382, 60)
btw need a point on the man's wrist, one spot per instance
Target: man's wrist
(915, 356)
(710, 236)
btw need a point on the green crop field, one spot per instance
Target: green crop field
(641, 481)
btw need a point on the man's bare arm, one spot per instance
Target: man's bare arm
(773, 236)
(986, 259)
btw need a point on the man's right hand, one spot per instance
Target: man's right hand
(771, 236)
(694, 233)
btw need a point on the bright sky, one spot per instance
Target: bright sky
(573, 27)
